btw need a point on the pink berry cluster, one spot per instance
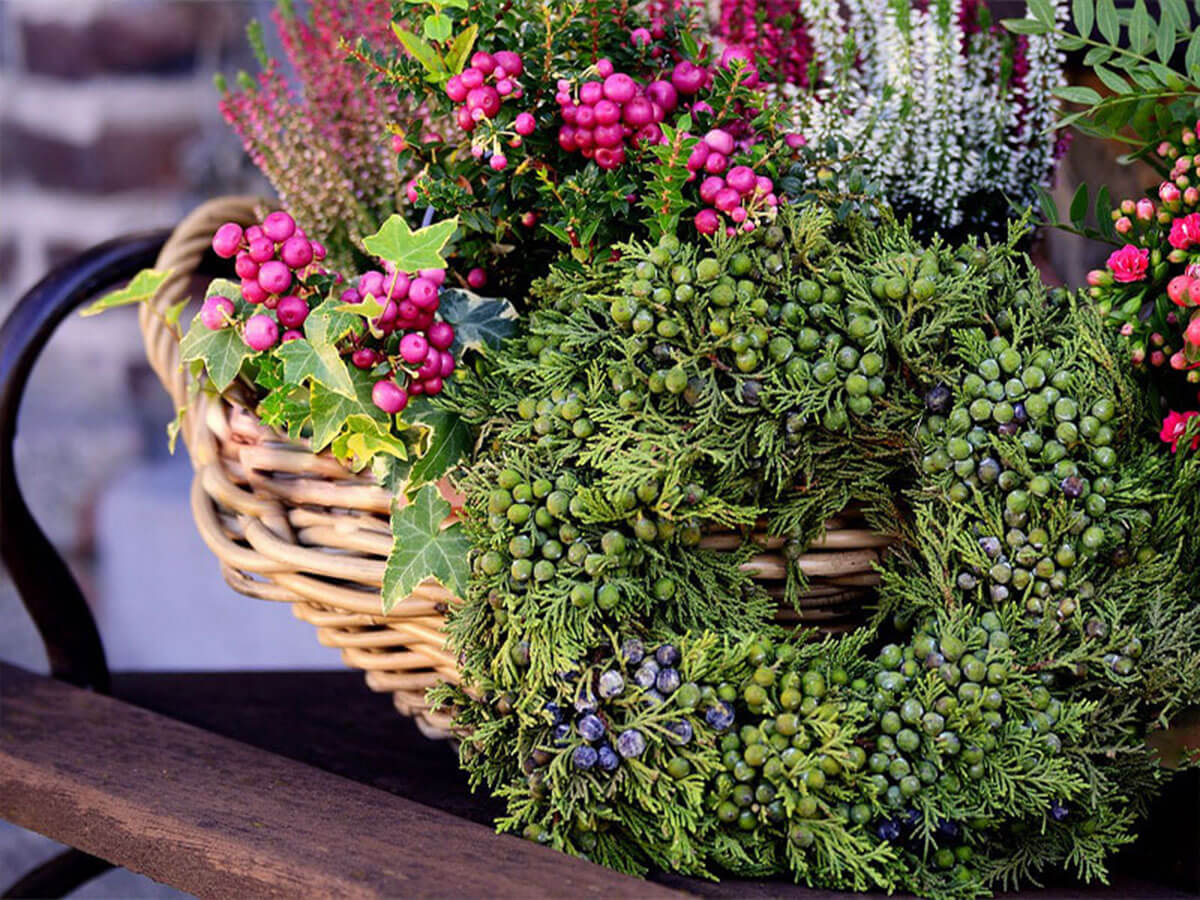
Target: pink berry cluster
(272, 260)
(739, 195)
(613, 111)
(482, 88)
(422, 358)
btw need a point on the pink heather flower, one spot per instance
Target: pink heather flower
(1174, 426)
(1185, 232)
(1129, 263)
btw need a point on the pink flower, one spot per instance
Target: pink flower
(1168, 192)
(1174, 426)
(1145, 210)
(1185, 232)
(1129, 263)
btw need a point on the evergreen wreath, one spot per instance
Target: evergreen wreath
(627, 693)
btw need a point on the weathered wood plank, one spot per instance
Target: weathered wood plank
(217, 818)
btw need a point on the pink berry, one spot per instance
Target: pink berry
(484, 62)
(606, 113)
(707, 221)
(591, 93)
(604, 67)
(279, 226)
(252, 291)
(688, 78)
(397, 286)
(664, 94)
(504, 87)
(485, 98)
(720, 140)
(471, 78)
(585, 117)
(727, 198)
(716, 163)
(742, 179)
(261, 332)
(433, 385)
(477, 278)
(608, 159)
(696, 159)
(441, 335)
(498, 161)
(262, 249)
(292, 311)
(447, 365)
(710, 186)
(566, 139)
(585, 140)
(350, 295)
(423, 293)
(738, 214)
(410, 191)
(245, 266)
(525, 124)
(414, 348)
(291, 335)
(216, 312)
(620, 88)
(465, 120)
(253, 233)
(387, 319)
(389, 396)
(638, 112)
(296, 252)
(608, 136)
(510, 61)
(275, 277)
(227, 239)
(640, 37)
(456, 90)
(415, 388)
(371, 283)
(437, 276)
(363, 358)
(764, 185)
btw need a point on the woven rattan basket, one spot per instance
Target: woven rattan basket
(300, 528)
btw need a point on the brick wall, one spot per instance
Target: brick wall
(108, 121)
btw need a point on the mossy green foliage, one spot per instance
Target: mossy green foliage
(627, 691)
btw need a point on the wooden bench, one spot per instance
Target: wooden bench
(289, 784)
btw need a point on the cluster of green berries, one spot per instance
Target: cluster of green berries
(791, 762)
(562, 413)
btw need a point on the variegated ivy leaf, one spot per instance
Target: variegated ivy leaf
(331, 410)
(411, 250)
(449, 439)
(145, 284)
(363, 439)
(425, 546)
(478, 321)
(221, 352)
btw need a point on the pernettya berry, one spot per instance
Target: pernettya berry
(389, 396)
(216, 312)
(261, 332)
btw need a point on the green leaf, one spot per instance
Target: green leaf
(1048, 206)
(1177, 12)
(285, 407)
(1169, 77)
(1112, 80)
(423, 548)
(330, 410)
(369, 308)
(1084, 14)
(1042, 11)
(449, 441)
(1097, 55)
(364, 439)
(421, 51)
(145, 284)
(1139, 26)
(437, 27)
(1079, 206)
(304, 360)
(175, 310)
(1084, 96)
(460, 50)
(478, 321)
(1103, 205)
(174, 427)
(1191, 58)
(1106, 20)
(1070, 43)
(1024, 26)
(1164, 39)
(411, 250)
(221, 352)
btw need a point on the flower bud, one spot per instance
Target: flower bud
(1124, 225)
(1145, 210)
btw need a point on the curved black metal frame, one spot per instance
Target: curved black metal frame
(45, 584)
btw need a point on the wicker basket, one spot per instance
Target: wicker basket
(300, 528)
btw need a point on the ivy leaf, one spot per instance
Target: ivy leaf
(304, 360)
(449, 441)
(363, 440)
(369, 308)
(411, 250)
(145, 284)
(221, 352)
(423, 548)
(478, 321)
(331, 410)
